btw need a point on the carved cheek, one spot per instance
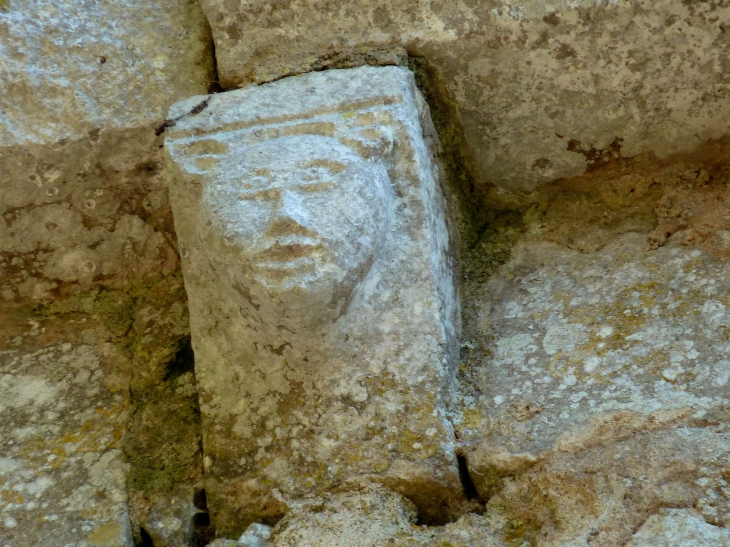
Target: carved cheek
(355, 217)
(246, 220)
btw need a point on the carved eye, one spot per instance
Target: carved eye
(271, 194)
(317, 187)
(257, 181)
(318, 174)
(321, 168)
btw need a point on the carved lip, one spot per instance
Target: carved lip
(278, 255)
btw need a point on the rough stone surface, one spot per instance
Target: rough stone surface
(541, 87)
(63, 405)
(353, 518)
(594, 366)
(600, 496)
(85, 85)
(582, 348)
(373, 517)
(256, 535)
(69, 66)
(323, 306)
(87, 236)
(162, 440)
(223, 542)
(686, 200)
(116, 434)
(672, 527)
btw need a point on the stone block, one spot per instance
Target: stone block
(323, 306)
(672, 527)
(72, 68)
(85, 217)
(85, 86)
(63, 407)
(584, 349)
(543, 89)
(372, 517)
(602, 495)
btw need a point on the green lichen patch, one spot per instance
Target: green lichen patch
(606, 492)
(146, 320)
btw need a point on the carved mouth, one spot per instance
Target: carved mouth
(278, 261)
(288, 253)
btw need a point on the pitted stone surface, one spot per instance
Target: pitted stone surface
(580, 348)
(600, 496)
(673, 527)
(63, 407)
(322, 300)
(85, 84)
(69, 66)
(372, 517)
(96, 406)
(541, 87)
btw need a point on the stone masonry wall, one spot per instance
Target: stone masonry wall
(585, 159)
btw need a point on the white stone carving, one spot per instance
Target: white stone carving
(324, 311)
(295, 223)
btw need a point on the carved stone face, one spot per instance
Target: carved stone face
(300, 214)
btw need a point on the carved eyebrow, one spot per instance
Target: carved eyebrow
(312, 187)
(262, 194)
(331, 165)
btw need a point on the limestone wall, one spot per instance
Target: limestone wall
(584, 159)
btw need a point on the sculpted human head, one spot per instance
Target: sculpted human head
(301, 217)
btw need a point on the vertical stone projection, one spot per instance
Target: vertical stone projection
(323, 305)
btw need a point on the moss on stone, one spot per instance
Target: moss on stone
(163, 437)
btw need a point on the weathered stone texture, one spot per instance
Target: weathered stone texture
(593, 402)
(373, 517)
(87, 221)
(139, 390)
(581, 348)
(85, 85)
(672, 527)
(163, 435)
(323, 308)
(539, 86)
(63, 407)
(71, 68)
(600, 496)
(687, 200)
(86, 237)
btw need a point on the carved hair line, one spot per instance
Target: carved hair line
(371, 142)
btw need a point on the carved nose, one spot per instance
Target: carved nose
(289, 218)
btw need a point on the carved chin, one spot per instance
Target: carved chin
(286, 274)
(296, 279)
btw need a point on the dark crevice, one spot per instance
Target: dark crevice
(183, 361)
(470, 489)
(201, 520)
(203, 530)
(200, 500)
(214, 86)
(146, 540)
(364, 54)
